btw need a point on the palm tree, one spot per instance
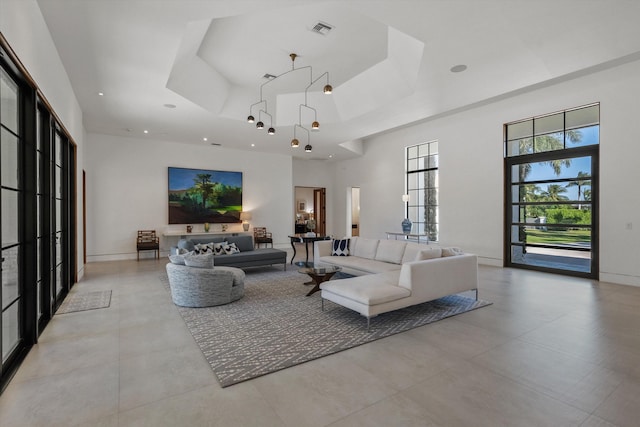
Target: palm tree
(554, 193)
(580, 182)
(204, 186)
(543, 143)
(587, 195)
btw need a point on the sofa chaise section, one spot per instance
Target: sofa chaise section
(390, 275)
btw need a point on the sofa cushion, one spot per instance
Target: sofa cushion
(451, 252)
(199, 261)
(364, 265)
(366, 248)
(243, 243)
(367, 290)
(340, 247)
(390, 251)
(430, 253)
(412, 250)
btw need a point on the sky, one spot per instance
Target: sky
(181, 179)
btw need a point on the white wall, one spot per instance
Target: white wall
(24, 28)
(127, 190)
(471, 170)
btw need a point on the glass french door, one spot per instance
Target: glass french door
(552, 220)
(37, 214)
(11, 294)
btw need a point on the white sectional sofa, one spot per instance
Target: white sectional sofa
(394, 274)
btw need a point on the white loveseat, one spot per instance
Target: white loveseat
(395, 274)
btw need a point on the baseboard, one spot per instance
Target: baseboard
(620, 279)
(493, 262)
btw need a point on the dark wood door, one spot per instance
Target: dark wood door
(320, 210)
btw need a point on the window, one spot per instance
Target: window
(422, 188)
(551, 173)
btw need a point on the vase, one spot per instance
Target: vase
(406, 226)
(206, 227)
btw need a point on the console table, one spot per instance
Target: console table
(184, 234)
(409, 236)
(305, 239)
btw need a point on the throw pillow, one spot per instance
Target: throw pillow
(231, 248)
(219, 248)
(340, 247)
(202, 248)
(199, 261)
(451, 252)
(430, 253)
(186, 244)
(176, 259)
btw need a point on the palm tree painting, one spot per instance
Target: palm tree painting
(199, 196)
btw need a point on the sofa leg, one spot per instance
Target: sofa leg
(322, 299)
(476, 294)
(368, 323)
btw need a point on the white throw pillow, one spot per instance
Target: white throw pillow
(451, 252)
(199, 261)
(430, 253)
(231, 248)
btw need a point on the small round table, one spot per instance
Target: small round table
(318, 275)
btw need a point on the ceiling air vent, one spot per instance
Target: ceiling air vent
(322, 28)
(215, 144)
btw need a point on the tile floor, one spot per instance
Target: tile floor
(550, 351)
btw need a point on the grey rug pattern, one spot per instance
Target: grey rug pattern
(85, 301)
(275, 326)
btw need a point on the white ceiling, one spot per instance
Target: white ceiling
(388, 61)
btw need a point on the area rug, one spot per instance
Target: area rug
(85, 301)
(275, 326)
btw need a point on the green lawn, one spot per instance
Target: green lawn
(558, 237)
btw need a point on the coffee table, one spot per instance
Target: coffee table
(319, 274)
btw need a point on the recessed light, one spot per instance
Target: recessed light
(145, 131)
(253, 145)
(170, 105)
(458, 68)
(205, 139)
(100, 93)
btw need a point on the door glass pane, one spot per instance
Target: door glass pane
(9, 159)
(583, 136)
(59, 281)
(59, 237)
(10, 330)
(9, 100)
(58, 215)
(549, 142)
(9, 217)
(59, 182)
(58, 149)
(10, 288)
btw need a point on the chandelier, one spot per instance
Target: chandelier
(264, 111)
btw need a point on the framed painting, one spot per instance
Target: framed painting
(301, 205)
(200, 195)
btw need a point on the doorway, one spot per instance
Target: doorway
(354, 214)
(310, 211)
